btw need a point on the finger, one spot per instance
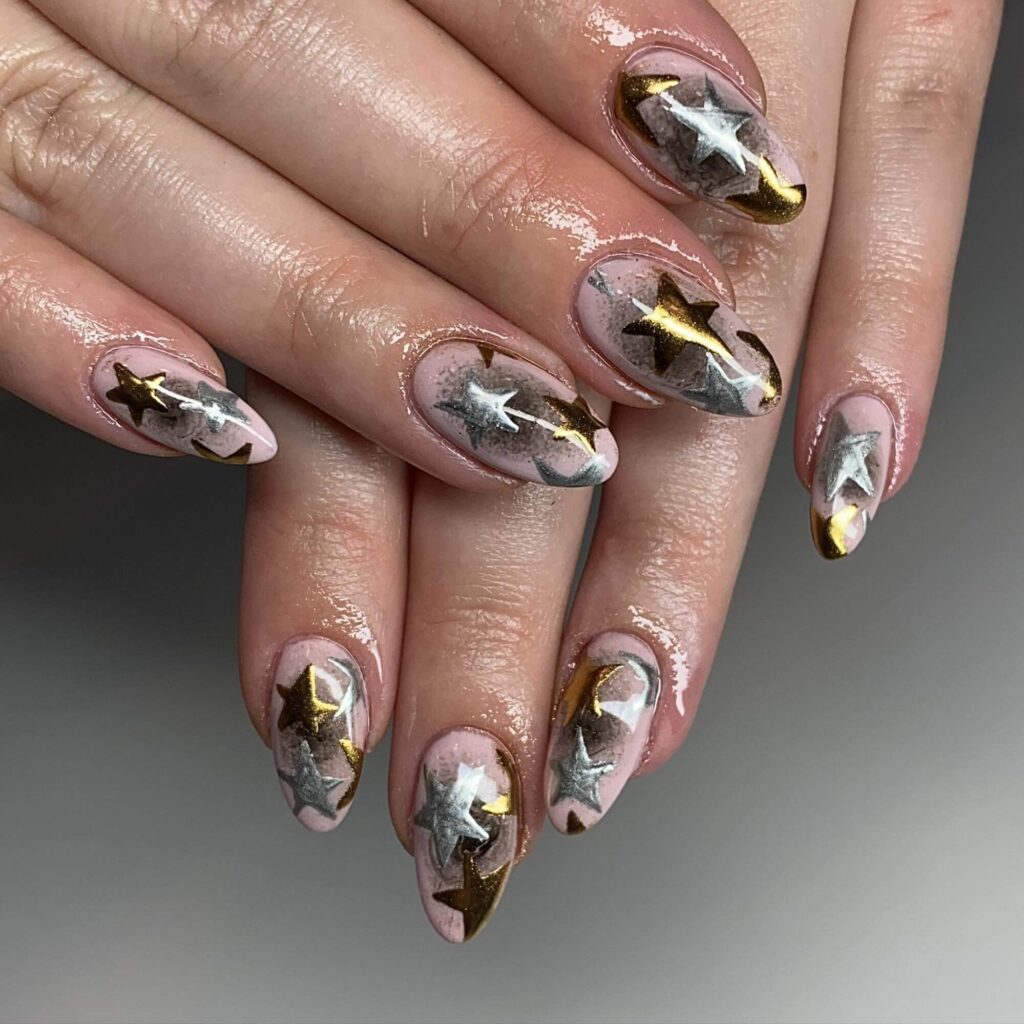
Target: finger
(481, 189)
(323, 589)
(268, 274)
(82, 346)
(662, 89)
(489, 578)
(668, 544)
(915, 82)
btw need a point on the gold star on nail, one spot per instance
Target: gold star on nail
(774, 201)
(477, 897)
(584, 689)
(830, 532)
(138, 393)
(239, 457)
(579, 424)
(302, 707)
(631, 91)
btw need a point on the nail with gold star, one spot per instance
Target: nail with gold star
(695, 127)
(465, 829)
(601, 729)
(319, 725)
(672, 336)
(851, 468)
(513, 416)
(169, 401)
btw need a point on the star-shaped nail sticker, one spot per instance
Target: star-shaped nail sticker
(579, 424)
(302, 707)
(846, 458)
(445, 813)
(476, 899)
(590, 474)
(218, 407)
(310, 788)
(716, 126)
(137, 393)
(579, 777)
(721, 393)
(632, 90)
(675, 323)
(481, 410)
(773, 201)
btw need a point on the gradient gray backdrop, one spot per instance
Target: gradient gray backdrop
(841, 838)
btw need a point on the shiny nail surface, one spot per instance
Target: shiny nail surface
(695, 127)
(513, 416)
(172, 403)
(850, 473)
(673, 337)
(465, 830)
(601, 729)
(319, 724)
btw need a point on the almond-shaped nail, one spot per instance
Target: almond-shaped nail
(319, 722)
(513, 415)
(601, 728)
(465, 830)
(171, 402)
(671, 335)
(691, 124)
(850, 473)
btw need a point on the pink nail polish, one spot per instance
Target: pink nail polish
(850, 473)
(691, 124)
(601, 728)
(465, 830)
(513, 415)
(671, 335)
(319, 722)
(171, 402)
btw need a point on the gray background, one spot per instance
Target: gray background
(842, 837)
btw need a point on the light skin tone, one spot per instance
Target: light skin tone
(506, 202)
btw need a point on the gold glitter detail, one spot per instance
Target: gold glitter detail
(774, 201)
(239, 457)
(477, 897)
(579, 424)
(137, 393)
(829, 532)
(573, 825)
(771, 383)
(631, 91)
(302, 707)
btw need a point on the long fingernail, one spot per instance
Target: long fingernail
(465, 830)
(695, 127)
(513, 416)
(171, 402)
(319, 721)
(850, 473)
(670, 334)
(601, 728)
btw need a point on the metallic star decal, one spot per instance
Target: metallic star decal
(137, 393)
(675, 323)
(579, 424)
(218, 407)
(477, 897)
(773, 201)
(631, 91)
(716, 126)
(481, 410)
(590, 474)
(578, 776)
(445, 813)
(721, 393)
(302, 707)
(310, 788)
(846, 458)
(239, 457)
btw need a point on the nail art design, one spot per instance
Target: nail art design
(695, 127)
(171, 402)
(513, 415)
(601, 728)
(850, 473)
(671, 335)
(319, 722)
(465, 830)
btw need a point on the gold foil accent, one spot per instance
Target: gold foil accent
(774, 201)
(579, 424)
(355, 757)
(631, 91)
(302, 707)
(573, 825)
(239, 457)
(509, 800)
(771, 383)
(830, 532)
(137, 393)
(584, 689)
(477, 897)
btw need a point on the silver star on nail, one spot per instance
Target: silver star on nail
(481, 410)
(846, 458)
(721, 393)
(715, 125)
(445, 813)
(590, 474)
(310, 788)
(219, 407)
(578, 776)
